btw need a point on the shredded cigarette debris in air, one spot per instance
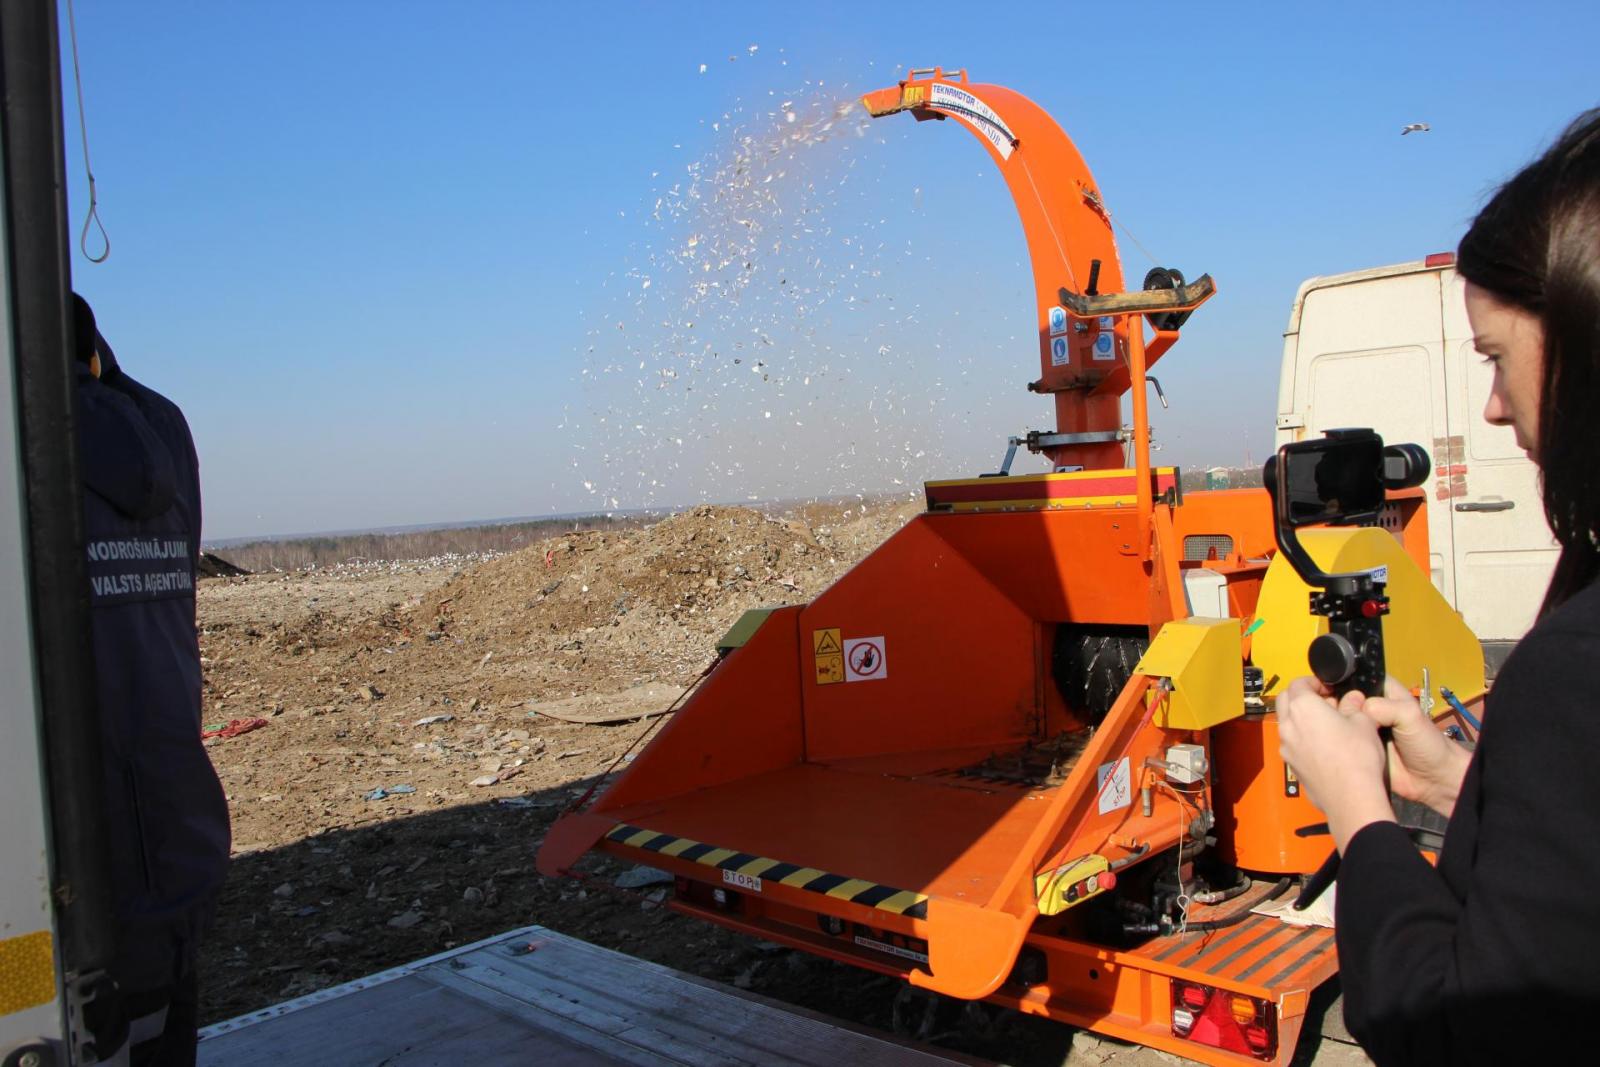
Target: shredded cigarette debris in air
(771, 239)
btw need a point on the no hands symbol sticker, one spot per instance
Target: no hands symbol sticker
(864, 660)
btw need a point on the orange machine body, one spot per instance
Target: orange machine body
(891, 776)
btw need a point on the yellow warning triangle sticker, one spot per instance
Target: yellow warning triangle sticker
(825, 642)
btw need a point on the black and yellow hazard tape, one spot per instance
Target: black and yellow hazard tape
(855, 890)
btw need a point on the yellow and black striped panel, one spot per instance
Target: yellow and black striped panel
(856, 890)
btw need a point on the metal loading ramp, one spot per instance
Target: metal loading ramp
(532, 996)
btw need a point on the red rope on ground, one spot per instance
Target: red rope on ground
(234, 728)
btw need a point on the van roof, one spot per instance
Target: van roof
(1327, 281)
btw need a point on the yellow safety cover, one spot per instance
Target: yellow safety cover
(1204, 661)
(1421, 629)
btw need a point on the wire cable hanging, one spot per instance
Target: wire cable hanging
(83, 129)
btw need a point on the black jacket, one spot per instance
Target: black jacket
(1494, 956)
(166, 810)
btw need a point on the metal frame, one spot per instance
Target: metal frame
(53, 834)
(25, 912)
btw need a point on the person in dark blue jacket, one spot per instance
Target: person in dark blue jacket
(165, 808)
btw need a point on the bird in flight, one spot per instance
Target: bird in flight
(1414, 127)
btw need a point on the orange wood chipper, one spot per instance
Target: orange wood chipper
(1024, 752)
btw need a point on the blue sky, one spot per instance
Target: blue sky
(391, 257)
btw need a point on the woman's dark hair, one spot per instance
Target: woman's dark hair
(1536, 246)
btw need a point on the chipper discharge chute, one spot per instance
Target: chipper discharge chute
(1022, 752)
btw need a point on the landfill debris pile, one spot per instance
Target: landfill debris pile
(390, 806)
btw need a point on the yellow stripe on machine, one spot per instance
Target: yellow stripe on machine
(677, 846)
(848, 890)
(901, 901)
(835, 886)
(756, 868)
(803, 877)
(1039, 503)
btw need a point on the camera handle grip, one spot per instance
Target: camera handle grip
(1348, 657)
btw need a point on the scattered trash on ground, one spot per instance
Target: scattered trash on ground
(641, 876)
(234, 728)
(385, 791)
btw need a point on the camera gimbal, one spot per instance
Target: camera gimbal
(1340, 480)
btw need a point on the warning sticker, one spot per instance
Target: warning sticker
(1105, 342)
(829, 653)
(1059, 356)
(864, 660)
(893, 950)
(981, 115)
(1058, 320)
(1119, 793)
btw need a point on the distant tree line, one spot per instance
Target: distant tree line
(291, 554)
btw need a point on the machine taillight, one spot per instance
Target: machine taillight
(1440, 259)
(1229, 1021)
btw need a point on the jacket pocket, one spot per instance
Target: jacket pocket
(142, 837)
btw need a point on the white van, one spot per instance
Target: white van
(1390, 348)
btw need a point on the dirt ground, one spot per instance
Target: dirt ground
(391, 806)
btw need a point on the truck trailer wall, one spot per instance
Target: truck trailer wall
(1390, 348)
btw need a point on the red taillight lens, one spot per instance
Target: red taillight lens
(1229, 1021)
(1440, 259)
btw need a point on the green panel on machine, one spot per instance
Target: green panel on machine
(743, 630)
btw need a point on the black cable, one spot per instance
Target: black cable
(1221, 896)
(1239, 916)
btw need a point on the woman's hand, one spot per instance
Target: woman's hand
(1424, 764)
(1337, 755)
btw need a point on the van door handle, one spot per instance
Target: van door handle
(1487, 505)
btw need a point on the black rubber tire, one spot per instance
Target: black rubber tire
(1091, 664)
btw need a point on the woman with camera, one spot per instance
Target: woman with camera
(1497, 950)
